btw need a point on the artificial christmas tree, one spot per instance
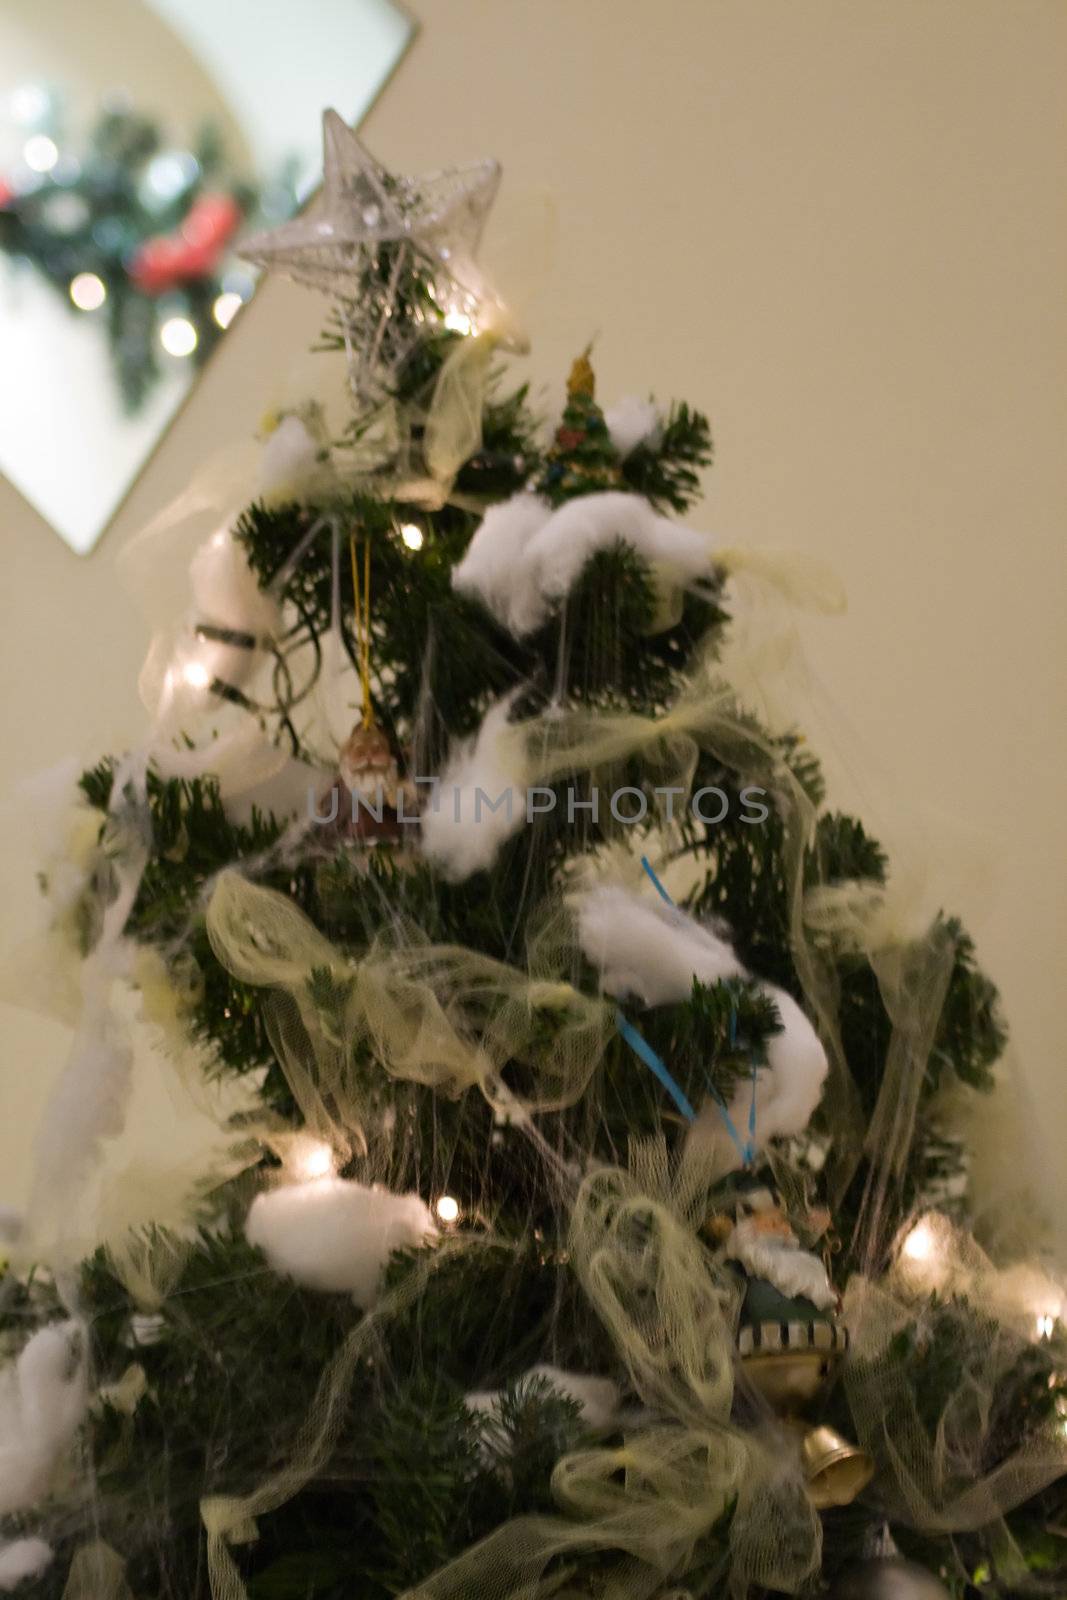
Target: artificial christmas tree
(556, 1195)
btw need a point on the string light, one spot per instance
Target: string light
(226, 307)
(313, 1159)
(40, 153)
(196, 675)
(88, 291)
(458, 322)
(447, 1208)
(412, 535)
(920, 1244)
(170, 173)
(29, 103)
(1045, 1325)
(178, 336)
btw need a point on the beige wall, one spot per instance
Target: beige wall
(837, 224)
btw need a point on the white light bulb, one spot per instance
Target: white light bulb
(919, 1245)
(412, 535)
(171, 172)
(178, 336)
(87, 291)
(29, 103)
(226, 308)
(458, 322)
(196, 675)
(1045, 1325)
(447, 1208)
(314, 1160)
(40, 153)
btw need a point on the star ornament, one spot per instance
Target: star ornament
(375, 235)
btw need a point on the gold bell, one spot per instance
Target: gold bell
(835, 1472)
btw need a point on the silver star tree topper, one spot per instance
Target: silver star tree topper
(396, 253)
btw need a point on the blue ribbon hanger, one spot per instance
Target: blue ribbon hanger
(644, 1051)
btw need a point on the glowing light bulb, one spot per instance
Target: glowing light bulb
(314, 1160)
(196, 675)
(412, 535)
(226, 307)
(447, 1208)
(88, 291)
(458, 322)
(170, 173)
(29, 103)
(920, 1244)
(1045, 1325)
(40, 153)
(178, 336)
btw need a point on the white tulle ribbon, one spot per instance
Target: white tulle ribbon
(88, 1104)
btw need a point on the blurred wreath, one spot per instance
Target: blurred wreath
(138, 233)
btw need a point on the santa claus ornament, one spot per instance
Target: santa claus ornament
(370, 804)
(791, 1342)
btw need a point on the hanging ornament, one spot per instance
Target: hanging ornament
(791, 1342)
(583, 458)
(376, 805)
(369, 803)
(887, 1579)
(395, 253)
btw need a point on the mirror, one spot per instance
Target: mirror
(139, 139)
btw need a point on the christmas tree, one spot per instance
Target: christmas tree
(589, 1224)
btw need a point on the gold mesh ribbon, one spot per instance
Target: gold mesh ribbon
(440, 1015)
(231, 1520)
(653, 1508)
(97, 1573)
(940, 1475)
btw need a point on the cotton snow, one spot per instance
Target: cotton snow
(525, 557)
(648, 949)
(479, 801)
(291, 461)
(22, 1559)
(335, 1234)
(43, 1399)
(494, 567)
(597, 1398)
(652, 951)
(632, 421)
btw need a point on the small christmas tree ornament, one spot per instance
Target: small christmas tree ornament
(791, 1342)
(583, 459)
